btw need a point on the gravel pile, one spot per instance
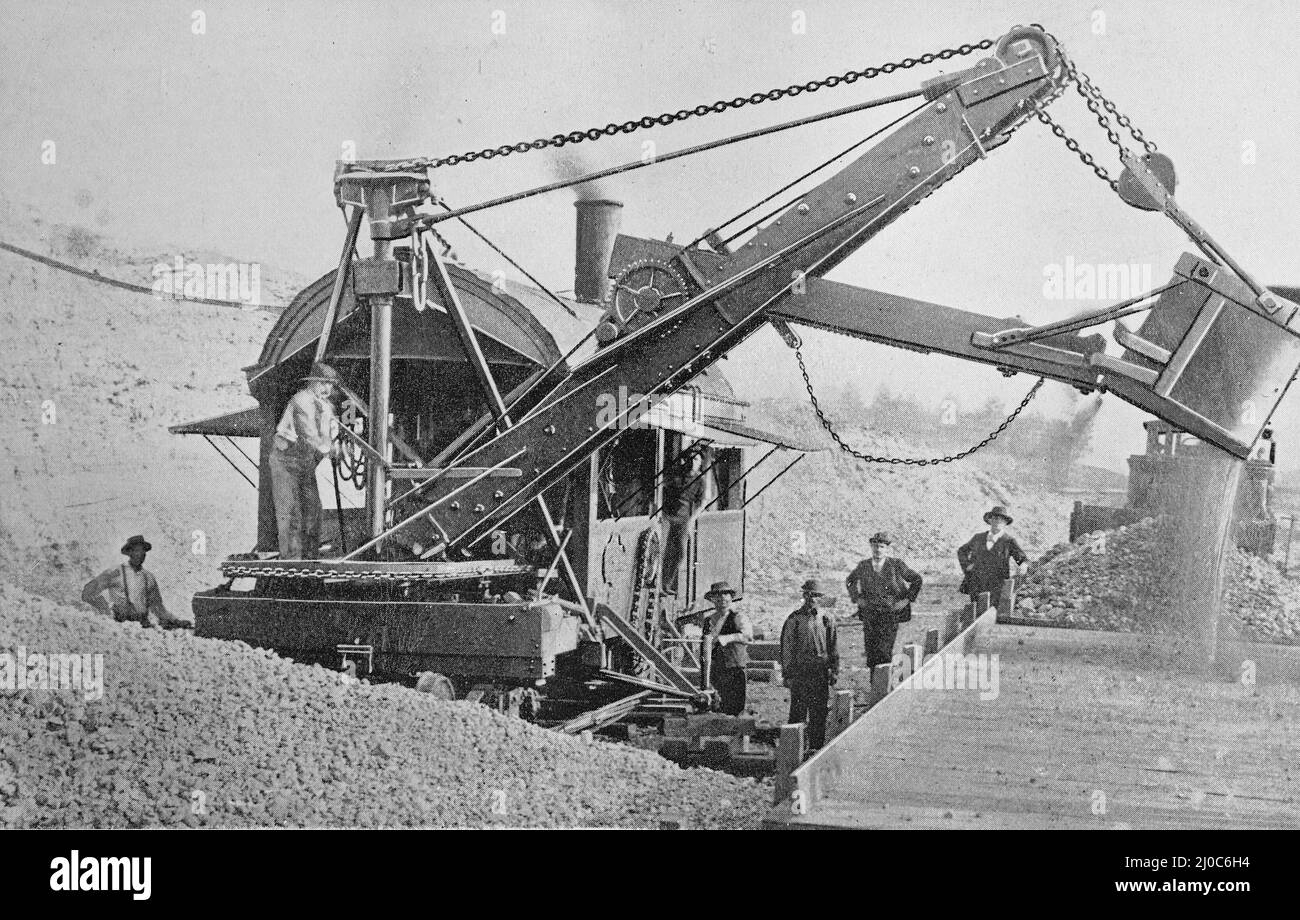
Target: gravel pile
(195, 732)
(1121, 580)
(1266, 604)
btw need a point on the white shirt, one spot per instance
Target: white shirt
(308, 419)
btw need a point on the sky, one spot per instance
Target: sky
(218, 127)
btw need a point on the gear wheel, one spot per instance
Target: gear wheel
(642, 289)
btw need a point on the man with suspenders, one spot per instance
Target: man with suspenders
(129, 591)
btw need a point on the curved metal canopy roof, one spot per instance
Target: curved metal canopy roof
(507, 331)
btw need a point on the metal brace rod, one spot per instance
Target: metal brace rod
(664, 158)
(741, 477)
(700, 476)
(550, 569)
(772, 480)
(984, 154)
(361, 407)
(447, 291)
(228, 460)
(1075, 323)
(453, 493)
(1164, 200)
(372, 454)
(340, 281)
(654, 483)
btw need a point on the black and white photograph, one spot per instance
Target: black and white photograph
(425, 415)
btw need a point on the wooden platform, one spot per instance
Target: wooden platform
(1087, 730)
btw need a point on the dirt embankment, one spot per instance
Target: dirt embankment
(185, 731)
(90, 378)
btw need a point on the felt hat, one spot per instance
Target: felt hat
(323, 373)
(997, 511)
(812, 588)
(880, 537)
(137, 540)
(718, 588)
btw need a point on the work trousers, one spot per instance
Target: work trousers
(879, 632)
(675, 546)
(297, 502)
(810, 695)
(992, 586)
(730, 684)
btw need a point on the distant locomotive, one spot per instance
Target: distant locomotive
(1156, 476)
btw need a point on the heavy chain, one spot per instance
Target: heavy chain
(1074, 148)
(1099, 105)
(234, 570)
(907, 461)
(668, 118)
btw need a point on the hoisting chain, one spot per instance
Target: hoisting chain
(905, 461)
(668, 118)
(1099, 105)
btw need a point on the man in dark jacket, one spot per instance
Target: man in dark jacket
(883, 588)
(810, 663)
(985, 557)
(683, 498)
(730, 633)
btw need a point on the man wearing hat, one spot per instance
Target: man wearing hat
(884, 589)
(132, 591)
(730, 632)
(810, 663)
(683, 499)
(985, 558)
(303, 438)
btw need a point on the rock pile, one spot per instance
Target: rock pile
(1121, 580)
(1265, 604)
(195, 732)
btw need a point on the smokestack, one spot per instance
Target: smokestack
(599, 220)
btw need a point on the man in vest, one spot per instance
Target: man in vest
(303, 438)
(810, 663)
(985, 557)
(731, 633)
(130, 592)
(883, 588)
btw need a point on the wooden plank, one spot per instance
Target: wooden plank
(634, 638)
(789, 754)
(455, 472)
(969, 768)
(1007, 598)
(951, 626)
(889, 816)
(879, 684)
(841, 713)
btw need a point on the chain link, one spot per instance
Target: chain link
(1074, 147)
(668, 118)
(1093, 96)
(235, 570)
(1099, 105)
(907, 461)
